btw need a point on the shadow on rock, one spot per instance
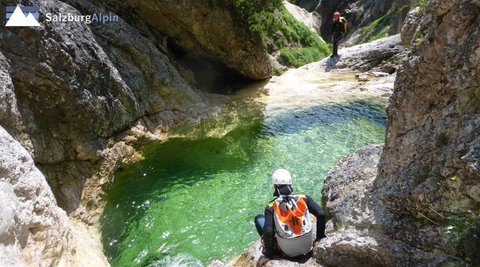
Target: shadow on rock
(331, 63)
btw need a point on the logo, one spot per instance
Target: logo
(22, 16)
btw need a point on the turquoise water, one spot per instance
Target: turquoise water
(192, 201)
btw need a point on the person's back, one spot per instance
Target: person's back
(286, 227)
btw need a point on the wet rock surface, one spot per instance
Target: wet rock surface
(309, 5)
(385, 55)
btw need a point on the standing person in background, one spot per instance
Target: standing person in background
(339, 30)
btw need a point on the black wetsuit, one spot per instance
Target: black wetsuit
(268, 232)
(338, 32)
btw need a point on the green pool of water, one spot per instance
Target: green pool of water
(192, 201)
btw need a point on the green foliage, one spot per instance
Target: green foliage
(308, 46)
(259, 15)
(297, 32)
(457, 216)
(376, 30)
(475, 98)
(300, 56)
(461, 221)
(420, 38)
(273, 23)
(277, 71)
(422, 4)
(442, 139)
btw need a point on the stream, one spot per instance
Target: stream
(192, 199)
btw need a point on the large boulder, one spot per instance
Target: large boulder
(359, 225)
(410, 26)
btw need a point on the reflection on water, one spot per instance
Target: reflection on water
(192, 201)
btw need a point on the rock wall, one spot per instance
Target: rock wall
(432, 151)
(34, 231)
(360, 230)
(202, 30)
(420, 207)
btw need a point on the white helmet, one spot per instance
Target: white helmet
(281, 177)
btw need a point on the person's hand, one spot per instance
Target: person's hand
(262, 261)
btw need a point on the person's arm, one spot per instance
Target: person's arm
(316, 210)
(268, 234)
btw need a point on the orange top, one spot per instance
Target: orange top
(292, 218)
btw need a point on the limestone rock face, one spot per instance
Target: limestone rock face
(309, 5)
(203, 29)
(253, 254)
(34, 231)
(312, 21)
(421, 206)
(360, 222)
(410, 26)
(431, 159)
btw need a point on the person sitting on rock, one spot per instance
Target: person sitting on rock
(286, 228)
(339, 30)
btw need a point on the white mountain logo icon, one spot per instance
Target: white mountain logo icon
(18, 19)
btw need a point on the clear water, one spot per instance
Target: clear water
(192, 201)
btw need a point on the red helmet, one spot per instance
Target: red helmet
(336, 14)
